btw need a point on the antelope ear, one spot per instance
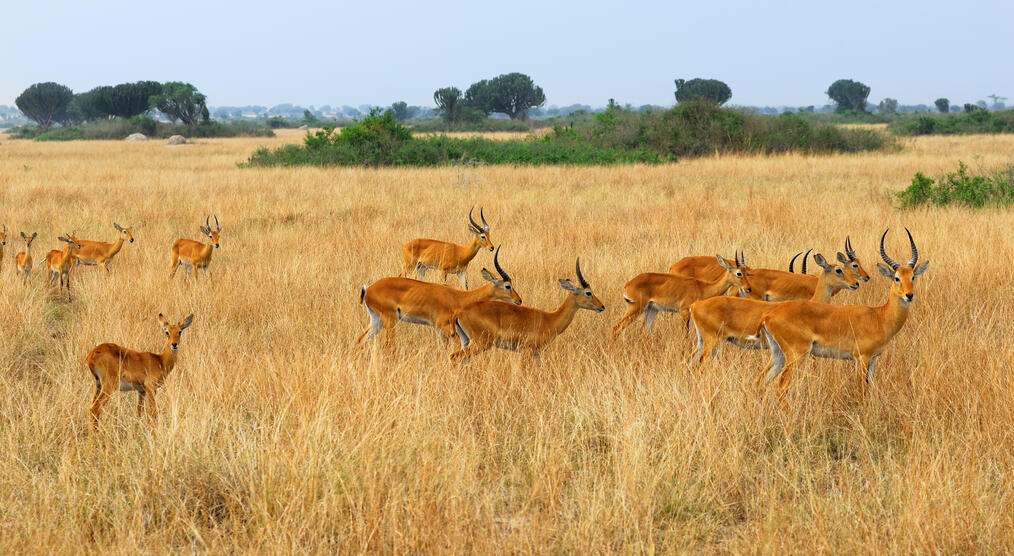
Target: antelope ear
(34, 234)
(885, 271)
(162, 321)
(487, 276)
(821, 262)
(842, 258)
(722, 262)
(921, 268)
(187, 322)
(567, 285)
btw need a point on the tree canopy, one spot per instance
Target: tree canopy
(702, 89)
(513, 94)
(43, 102)
(848, 95)
(448, 101)
(943, 105)
(181, 101)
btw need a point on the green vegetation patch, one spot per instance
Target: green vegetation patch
(971, 121)
(960, 188)
(117, 128)
(616, 136)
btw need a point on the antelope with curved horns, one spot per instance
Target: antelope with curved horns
(447, 258)
(652, 292)
(60, 263)
(793, 261)
(767, 284)
(485, 324)
(23, 260)
(99, 253)
(736, 319)
(3, 242)
(858, 332)
(390, 300)
(194, 254)
(114, 367)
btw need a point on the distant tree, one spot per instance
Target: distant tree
(810, 109)
(88, 105)
(702, 89)
(514, 94)
(969, 107)
(126, 100)
(998, 101)
(888, 106)
(943, 105)
(351, 111)
(310, 119)
(479, 95)
(449, 103)
(400, 111)
(42, 102)
(182, 101)
(848, 95)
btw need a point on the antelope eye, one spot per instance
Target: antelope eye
(854, 265)
(506, 286)
(587, 294)
(483, 236)
(739, 274)
(896, 279)
(166, 332)
(837, 271)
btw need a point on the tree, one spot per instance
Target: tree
(888, 106)
(943, 105)
(514, 94)
(479, 95)
(848, 95)
(702, 89)
(87, 104)
(126, 100)
(181, 101)
(448, 101)
(400, 111)
(42, 102)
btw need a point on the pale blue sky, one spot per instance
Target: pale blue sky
(317, 53)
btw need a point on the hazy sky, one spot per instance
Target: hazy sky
(316, 53)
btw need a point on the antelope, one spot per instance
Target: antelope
(390, 300)
(736, 319)
(99, 253)
(194, 254)
(114, 367)
(60, 263)
(768, 284)
(483, 324)
(860, 332)
(3, 242)
(652, 292)
(447, 258)
(23, 260)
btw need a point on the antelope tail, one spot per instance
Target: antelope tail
(362, 294)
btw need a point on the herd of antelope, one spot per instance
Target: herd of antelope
(787, 313)
(114, 367)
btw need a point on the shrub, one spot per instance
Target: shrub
(975, 121)
(961, 188)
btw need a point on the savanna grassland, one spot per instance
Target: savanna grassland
(276, 435)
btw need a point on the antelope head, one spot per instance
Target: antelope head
(125, 232)
(173, 331)
(736, 275)
(503, 290)
(206, 230)
(584, 296)
(481, 232)
(851, 263)
(903, 275)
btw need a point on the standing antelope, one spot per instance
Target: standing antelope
(99, 252)
(736, 319)
(652, 292)
(114, 367)
(768, 284)
(3, 242)
(859, 332)
(60, 263)
(23, 260)
(194, 254)
(390, 300)
(447, 258)
(482, 325)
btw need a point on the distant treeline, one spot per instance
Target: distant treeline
(617, 135)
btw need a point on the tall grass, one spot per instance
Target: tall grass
(276, 435)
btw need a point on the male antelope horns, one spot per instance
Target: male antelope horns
(577, 267)
(915, 252)
(806, 256)
(217, 227)
(472, 220)
(496, 263)
(485, 226)
(792, 263)
(848, 249)
(883, 254)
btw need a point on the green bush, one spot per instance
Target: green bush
(974, 121)
(960, 188)
(117, 128)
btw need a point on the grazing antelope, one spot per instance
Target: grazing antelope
(99, 253)
(3, 242)
(194, 254)
(390, 300)
(736, 319)
(23, 260)
(858, 332)
(485, 324)
(60, 263)
(114, 367)
(652, 292)
(447, 258)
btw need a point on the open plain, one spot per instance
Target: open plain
(275, 434)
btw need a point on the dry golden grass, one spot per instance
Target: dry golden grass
(275, 435)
